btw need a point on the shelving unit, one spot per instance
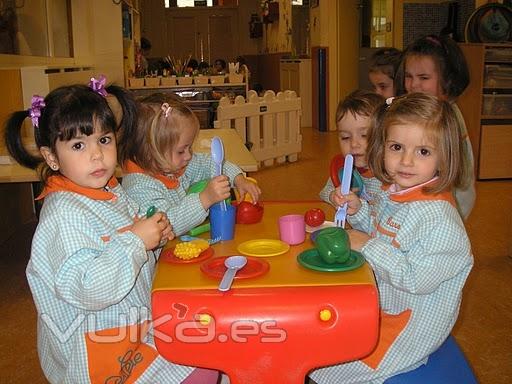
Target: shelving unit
(487, 108)
(203, 99)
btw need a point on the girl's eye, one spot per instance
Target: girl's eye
(105, 140)
(78, 146)
(424, 152)
(395, 147)
(424, 78)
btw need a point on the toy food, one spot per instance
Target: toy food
(333, 245)
(190, 249)
(248, 213)
(314, 217)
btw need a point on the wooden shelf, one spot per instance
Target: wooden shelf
(490, 134)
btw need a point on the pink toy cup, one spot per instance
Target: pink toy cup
(292, 229)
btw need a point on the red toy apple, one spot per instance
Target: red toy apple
(248, 213)
(314, 217)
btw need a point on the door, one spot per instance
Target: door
(381, 25)
(206, 34)
(376, 29)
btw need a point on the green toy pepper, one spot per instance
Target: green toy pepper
(333, 245)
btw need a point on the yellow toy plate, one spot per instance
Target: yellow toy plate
(263, 247)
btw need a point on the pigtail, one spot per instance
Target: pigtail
(125, 110)
(14, 142)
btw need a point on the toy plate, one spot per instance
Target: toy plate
(263, 247)
(254, 268)
(312, 260)
(169, 257)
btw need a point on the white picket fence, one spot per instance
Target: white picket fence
(270, 125)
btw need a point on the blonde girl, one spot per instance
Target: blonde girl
(159, 166)
(412, 236)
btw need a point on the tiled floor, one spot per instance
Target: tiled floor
(484, 328)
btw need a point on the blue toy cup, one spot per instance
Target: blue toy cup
(222, 221)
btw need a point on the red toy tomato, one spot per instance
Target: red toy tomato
(248, 213)
(314, 217)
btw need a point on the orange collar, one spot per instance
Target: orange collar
(417, 193)
(62, 183)
(171, 183)
(365, 172)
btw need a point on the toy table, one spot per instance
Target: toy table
(271, 329)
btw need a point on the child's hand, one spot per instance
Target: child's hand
(154, 230)
(216, 190)
(354, 203)
(357, 239)
(246, 186)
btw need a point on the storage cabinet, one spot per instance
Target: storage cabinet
(487, 108)
(295, 75)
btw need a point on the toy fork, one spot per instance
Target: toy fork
(341, 212)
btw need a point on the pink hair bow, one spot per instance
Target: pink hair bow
(35, 109)
(166, 109)
(98, 85)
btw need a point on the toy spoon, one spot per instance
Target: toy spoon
(217, 154)
(233, 264)
(218, 157)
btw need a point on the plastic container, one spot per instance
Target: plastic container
(168, 81)
(184, 80)
(136, 82)
(152, 81)
(217, 79)
(222, 221)
(292, 229)
(201, 79)
(497, 105)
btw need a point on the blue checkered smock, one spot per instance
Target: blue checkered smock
(85, 276)
(184, 211)
(421, 257)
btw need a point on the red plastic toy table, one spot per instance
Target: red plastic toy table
(274, 328)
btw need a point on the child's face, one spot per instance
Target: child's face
(179, 157)
(352, 131)
(422, 75)
(382, 84)
(410, 156)
(89, 161)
